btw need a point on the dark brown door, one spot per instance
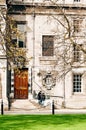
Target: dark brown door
(21, 84)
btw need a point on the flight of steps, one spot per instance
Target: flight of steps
(37, 105)
(28, 105)
(46, 106)
(23, 104)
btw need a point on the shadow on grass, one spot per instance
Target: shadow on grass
(41, 122)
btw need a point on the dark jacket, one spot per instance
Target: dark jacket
(39, 96)
(43, 96)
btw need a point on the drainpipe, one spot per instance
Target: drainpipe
(33, 34)
(64, 61)
(31, 80)
(64, 83)
(33, 66)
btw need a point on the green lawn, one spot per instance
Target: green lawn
(43, 122)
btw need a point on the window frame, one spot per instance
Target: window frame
(77, 83)
(17, 39)
(77, 53)
(47, 45)
(77, 25)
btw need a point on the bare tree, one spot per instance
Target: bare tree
(70, 50)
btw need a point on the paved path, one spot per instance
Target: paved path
(57, 111)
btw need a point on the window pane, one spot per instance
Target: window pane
(77, 53)
(77, 83)
(21, 27)
(21, 43)
(47, 45)
(21, 39)
(14, 42)
(77, 25)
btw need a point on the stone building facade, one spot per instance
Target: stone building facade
(56, 66)
(3, 61)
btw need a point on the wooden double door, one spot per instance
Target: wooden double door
(21, 84)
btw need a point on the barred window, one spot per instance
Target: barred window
(77, 25)
(47, 45)
(77, 82)
(77, 53)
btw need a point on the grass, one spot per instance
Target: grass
(43, 122)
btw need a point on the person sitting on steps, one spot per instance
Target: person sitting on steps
(40, 97)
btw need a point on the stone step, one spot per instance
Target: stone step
(47, 104)
(22, 104)
(31, 104)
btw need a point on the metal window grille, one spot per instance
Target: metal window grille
(77, 53)
(77, 82)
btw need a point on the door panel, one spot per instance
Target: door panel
(21, 84)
